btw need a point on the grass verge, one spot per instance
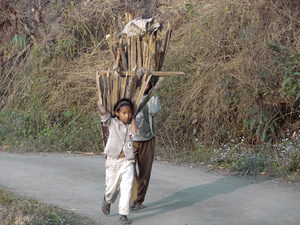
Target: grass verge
(21, 211)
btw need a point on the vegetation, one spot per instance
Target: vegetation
(237, 107)
(21, 211)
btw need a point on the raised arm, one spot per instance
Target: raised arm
(133, 126)
(101, 109)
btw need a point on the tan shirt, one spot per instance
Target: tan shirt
(120, 138)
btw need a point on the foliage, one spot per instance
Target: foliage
(241, 85)
(28, 211)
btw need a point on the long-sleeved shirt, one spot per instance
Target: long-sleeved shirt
(144, 120)
(120, 138)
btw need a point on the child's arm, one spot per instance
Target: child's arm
(133, 126)
(101, 109)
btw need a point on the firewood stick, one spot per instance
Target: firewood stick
(118, 58)
(150, 94)
(139, 56)
(123, 57)
(141, 93)
(162, 49)
(144, 54)
(152, 56)
(167, 45)
(154, 73)
(103, 81)
(98, 87)
(130, 16)
(157, 54)
(149, 51)
(115, 89)
(132, 53)
(123, 86)
(129, 53)
(134, 81)
(130, 86)
(108, 97)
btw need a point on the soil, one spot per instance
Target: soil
(177, 194)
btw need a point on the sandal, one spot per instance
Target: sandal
(132, 205)
(124, 220)
(105, 207)
(139, 206)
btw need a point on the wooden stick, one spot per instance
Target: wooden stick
(139, 56)
(129, 53)
(108, 98)
(154, 73)
(123, 57)
(115, 90)
(167, 44)
(132, 53)
(98, 87)
(149, 51)
(130, 86)
(104, 82)
(162, 49)
(130, 16)
(141, 93)
(134, 81)
(118, 58)
(123, 86)
(150, 94)
(152, 56)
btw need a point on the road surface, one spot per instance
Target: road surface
(177, 195)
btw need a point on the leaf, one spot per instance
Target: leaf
(56, 7)
(68, 113)
(13, 40)
(252, 123)
(285, 81)
(264, 135)
(265, 118)
(72, 6)
(272, 128)
(258, 130)
(297, 73)
(297, 96)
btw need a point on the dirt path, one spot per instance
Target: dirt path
(177, 194)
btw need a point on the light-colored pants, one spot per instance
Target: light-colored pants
(119, 179)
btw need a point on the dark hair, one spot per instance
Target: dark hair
(122, 102)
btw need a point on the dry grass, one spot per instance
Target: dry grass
(223, 48)
(20, 211)
(239, 57)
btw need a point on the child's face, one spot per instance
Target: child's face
(124, 114)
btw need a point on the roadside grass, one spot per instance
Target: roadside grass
(22, 211)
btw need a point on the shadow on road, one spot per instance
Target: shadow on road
(192, 195)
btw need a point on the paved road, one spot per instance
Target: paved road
(177, 194)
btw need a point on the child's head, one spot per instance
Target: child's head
(123, 110)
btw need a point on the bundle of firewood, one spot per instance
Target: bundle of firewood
(137, 51)
(138, 48)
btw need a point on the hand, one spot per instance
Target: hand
(99, 103)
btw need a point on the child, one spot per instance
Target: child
(120, 157)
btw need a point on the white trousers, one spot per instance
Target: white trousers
(119, 179)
